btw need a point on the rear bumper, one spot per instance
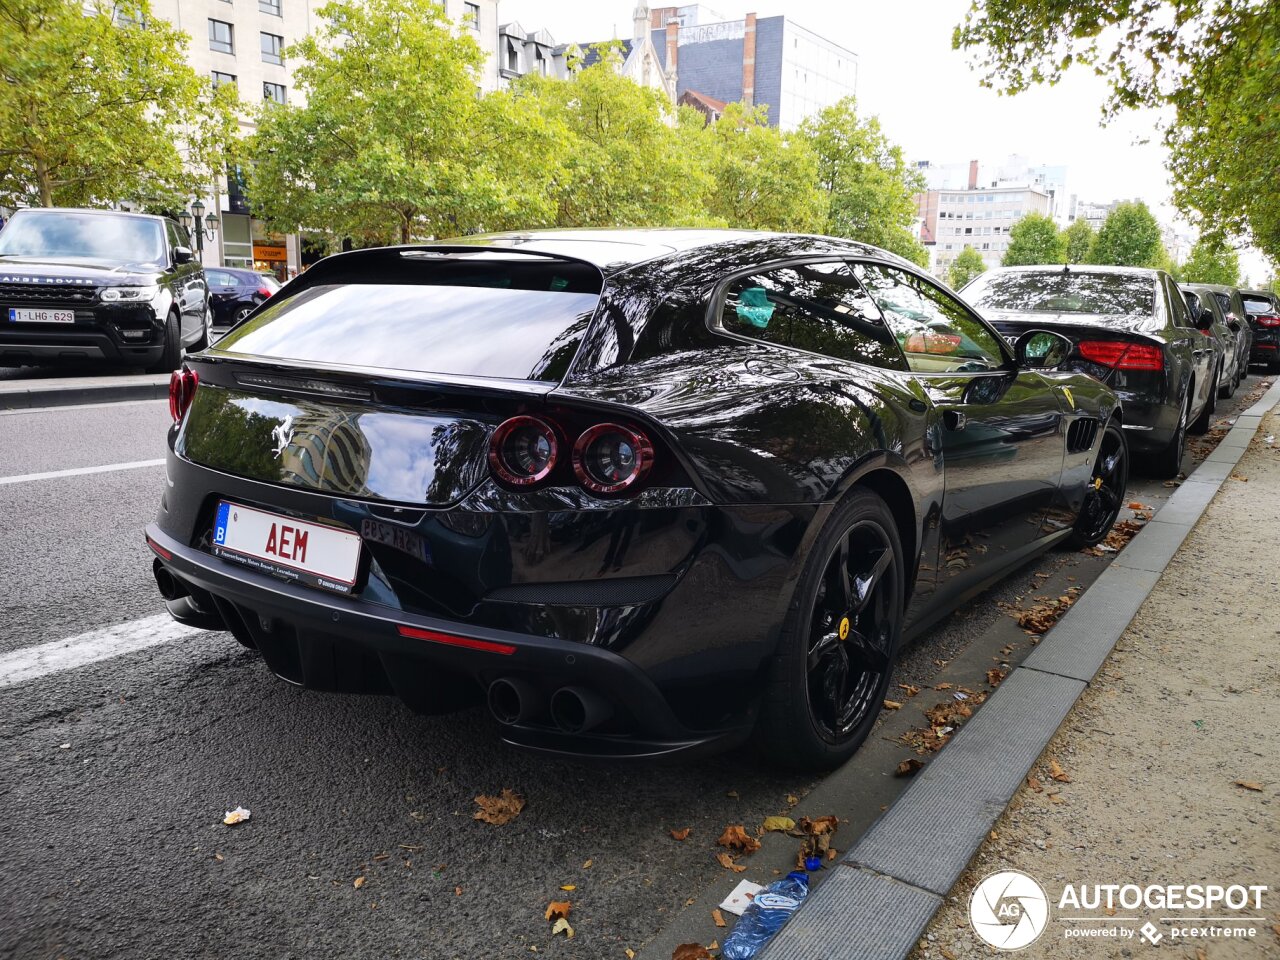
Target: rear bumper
(330, 642)
(1266, 345)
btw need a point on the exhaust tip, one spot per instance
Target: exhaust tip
(170, 587)
(576, 710)
(512, 700)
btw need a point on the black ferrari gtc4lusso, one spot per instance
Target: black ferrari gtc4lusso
(648, 490)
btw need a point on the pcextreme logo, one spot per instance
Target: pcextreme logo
(1008, 910)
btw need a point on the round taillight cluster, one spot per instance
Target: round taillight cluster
(523, 451)
(182, 390)
(608, 458)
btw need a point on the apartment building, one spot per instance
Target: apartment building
(241, 42)
(978, 218)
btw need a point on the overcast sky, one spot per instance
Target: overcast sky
(927, 98)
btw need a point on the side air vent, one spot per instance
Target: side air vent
(1081, 434)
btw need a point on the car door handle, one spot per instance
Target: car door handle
(954, 420)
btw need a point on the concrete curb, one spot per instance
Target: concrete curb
(66, 391)
(882, 894)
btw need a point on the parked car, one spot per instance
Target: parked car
(79, 285)
(1130, 328)
(236, 294)
(647, 491)
(1263, 311)
(1201, 301)
(1237, 319)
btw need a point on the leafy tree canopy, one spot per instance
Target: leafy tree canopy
(1078, 238)
(869, 185)
(965, 267)
(99, 107)
(1211, 261)
(1034, 239)
(1129, 237)
(1217, 65)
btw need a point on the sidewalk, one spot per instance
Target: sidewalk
(1151, 760)
(63, 391)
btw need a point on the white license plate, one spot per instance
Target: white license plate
(36, 315)
(311, 553)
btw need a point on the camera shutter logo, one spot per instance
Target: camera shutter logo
(1008, 910)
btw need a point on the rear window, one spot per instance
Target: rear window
(461, 322)
(1059, 292)
(1256, 305)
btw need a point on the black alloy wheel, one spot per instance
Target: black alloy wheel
(837, 653)
(1201, 423)
(1105, 493)
(1167, 462)
(241, 314)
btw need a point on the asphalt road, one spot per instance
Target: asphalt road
(114, 776)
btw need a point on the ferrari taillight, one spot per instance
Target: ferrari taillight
(611, 458)
(1122, 355)
(523, 451)
(182, 390)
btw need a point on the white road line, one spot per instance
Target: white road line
(80, 471)
(31, 663)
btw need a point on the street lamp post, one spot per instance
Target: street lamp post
(200, 225)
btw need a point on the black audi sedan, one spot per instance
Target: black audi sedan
(646, 491)
(236, 293)
(99, 285)
(1131, 329)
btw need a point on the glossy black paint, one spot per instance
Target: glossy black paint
(130, 334)
(1265, 347)
(1203, 303)
(670, 602)
(1152, 400)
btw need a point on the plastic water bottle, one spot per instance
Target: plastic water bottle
(764, 916)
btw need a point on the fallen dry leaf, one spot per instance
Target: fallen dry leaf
(1034, 783)
(631, 954)
(238, 815)
(792, 800)
(1200, 954)
(1056, 771)
(557, 909)
(942, 686)
(1249, 785)
(907, 767)
(457, 891)
(736, 838)
(690, 951)
(562, 926)
(832, 853)
(892, 705)
(569, 886)
(499, 810)
(946, 953)
(778, 823)
(587, 865)
(358, 882)
(717, 917)
(909, 689)
(995, 675)
(218, 857)
(726, 861)
(1056, 798)
(680, 834)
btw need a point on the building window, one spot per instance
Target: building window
(540, 60)
(274, 92)
(220, 78)
(472, 14)
(271, 47)
(513, 57)
(222, 37)
(271, 6)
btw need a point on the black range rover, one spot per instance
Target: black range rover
(79, 285)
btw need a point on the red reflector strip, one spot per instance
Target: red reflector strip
(471, 643)
(161, 551)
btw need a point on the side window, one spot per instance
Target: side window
(1177, 305)
(818, 307)
(935, 331)
(177, 235)
(216, 278)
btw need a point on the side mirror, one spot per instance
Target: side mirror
(1042, 350)
(182, 255)
(1204, 320)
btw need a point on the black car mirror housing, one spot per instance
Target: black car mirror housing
(1042, 350)
(182, 255)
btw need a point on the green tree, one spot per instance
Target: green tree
(1034, 239)
(394, 142)
(1129, 237)
(1211, 261)
(870, 186)
(1214, 66)
(622, 158)
(1077, 239)
(762, 180)
(965, 267)
(100, 106)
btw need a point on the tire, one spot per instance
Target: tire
(1229, 388)
(171, 356)
(1104, 499)
(814, 714)
(1273, 367)
(1167, 462)
(1201, 424)
(241, 314)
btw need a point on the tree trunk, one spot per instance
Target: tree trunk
(44, 182)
